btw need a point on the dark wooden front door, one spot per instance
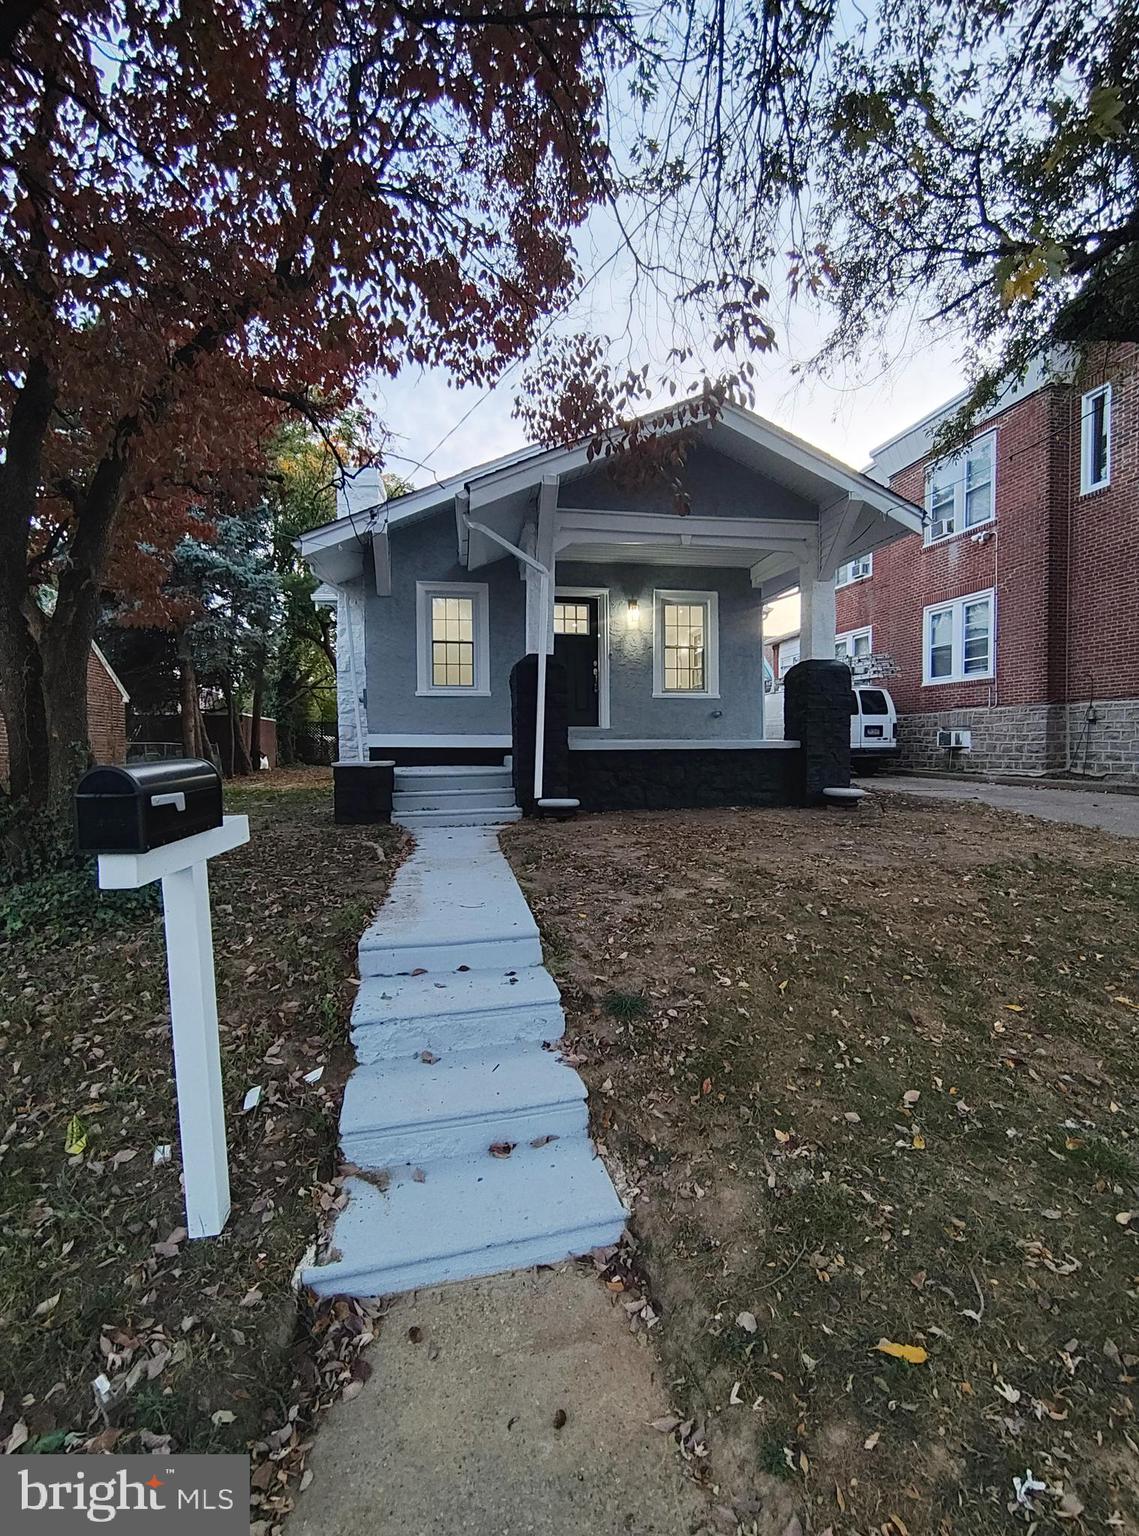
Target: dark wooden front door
(575, 647)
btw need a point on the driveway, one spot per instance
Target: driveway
(1078, 807)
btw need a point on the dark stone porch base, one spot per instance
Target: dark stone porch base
(663, 778)
(362, 793)
(437, 757)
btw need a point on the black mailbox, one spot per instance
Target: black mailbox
(146, 805)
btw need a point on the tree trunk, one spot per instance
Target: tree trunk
(238, 755)
(255, 719)
(70, 630)
(190, 714)
(21, 661)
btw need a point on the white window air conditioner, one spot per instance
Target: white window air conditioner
(956, 741)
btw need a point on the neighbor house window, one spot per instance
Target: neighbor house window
(855, 642)
(453, 650)
(959, 491)
(958, 639)
(1095, 440)
(854, 570)
(685, 645)
(788, 656)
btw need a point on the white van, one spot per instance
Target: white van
(873, 727)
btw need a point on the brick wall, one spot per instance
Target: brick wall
(106, 719)
(1065, 570)
(106, 714)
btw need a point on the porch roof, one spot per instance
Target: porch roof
(866, 514)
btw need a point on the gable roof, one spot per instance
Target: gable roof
(752, 440)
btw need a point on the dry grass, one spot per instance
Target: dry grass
(883, 1088)
(201, 1341)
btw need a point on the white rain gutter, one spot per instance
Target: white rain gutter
(547, 576)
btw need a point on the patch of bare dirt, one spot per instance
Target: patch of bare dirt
(871, 1077)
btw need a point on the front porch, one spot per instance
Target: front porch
(644, 595)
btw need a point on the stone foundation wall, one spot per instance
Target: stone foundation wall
(674, 778)
(1029, 738)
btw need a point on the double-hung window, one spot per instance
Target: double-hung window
(960, 491)
(853, 643)
(1095, 440)
(453, 650)
(959, 639)
(685, 645)
(854, 570)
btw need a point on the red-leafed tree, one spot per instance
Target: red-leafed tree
(217, 212)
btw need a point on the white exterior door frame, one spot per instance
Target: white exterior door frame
(602, 596)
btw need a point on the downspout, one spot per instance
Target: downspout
(547, 577)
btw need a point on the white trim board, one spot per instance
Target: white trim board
(402, 739)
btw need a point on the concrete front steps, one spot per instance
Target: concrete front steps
(453, 797)
(466, 1218)
(459, 1106)
(469, 1136)
(399, 1016)
(452, 906)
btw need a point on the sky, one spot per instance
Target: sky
(437, 430)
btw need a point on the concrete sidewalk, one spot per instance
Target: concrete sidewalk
(460, 1430)
(1082, 807)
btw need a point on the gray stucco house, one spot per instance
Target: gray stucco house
(648, 604)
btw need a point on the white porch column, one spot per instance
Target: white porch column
(539, 592)
(816, 613)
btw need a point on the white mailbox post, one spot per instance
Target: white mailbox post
(181, 866)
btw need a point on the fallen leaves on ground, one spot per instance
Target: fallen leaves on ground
(881, 1088)
(115, 1330)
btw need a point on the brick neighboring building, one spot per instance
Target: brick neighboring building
(106, 715)
(1015, 616)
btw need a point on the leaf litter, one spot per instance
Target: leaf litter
(115, 1331)
(819, 1129)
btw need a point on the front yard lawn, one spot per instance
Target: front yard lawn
(871, 1080)
(201, 1342)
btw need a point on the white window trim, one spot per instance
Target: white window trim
(602, 596)
(424, 592)
(848, 635)
(1087, 486)
(850, 580)
(959, 675)
(959, 496)
(662, 595)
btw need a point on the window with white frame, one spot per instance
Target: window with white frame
(571, 618)
(453, 647)
(1095, 440)
(854, 570)
(685, 645)
(960, 491)
(852, 643)
(959, 639)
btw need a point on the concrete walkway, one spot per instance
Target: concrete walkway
(459, 1431)
(1082, 807)
(468, 1135)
